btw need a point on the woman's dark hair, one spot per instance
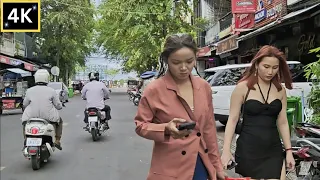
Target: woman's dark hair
(171, 45)
(283, 74)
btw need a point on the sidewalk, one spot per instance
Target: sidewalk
(230, 173)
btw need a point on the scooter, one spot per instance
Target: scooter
(307, 130)
(95, 128)
(306, 152)
(40, 138)
(136, 98)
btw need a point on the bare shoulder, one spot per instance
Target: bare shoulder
(241, 87)
(283, 92)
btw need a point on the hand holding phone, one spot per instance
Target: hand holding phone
(231, 165)
(187, 126)
(172, 128)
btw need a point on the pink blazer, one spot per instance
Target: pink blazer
(176, 159)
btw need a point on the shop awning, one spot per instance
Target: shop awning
(274, 24)
(23, 73)
(16, 62)
(205, 51)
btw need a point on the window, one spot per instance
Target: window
(297, 73)
(227, 77)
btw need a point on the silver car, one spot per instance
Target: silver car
(61, 89)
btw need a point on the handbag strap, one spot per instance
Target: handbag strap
(187, 108)
(245, 99)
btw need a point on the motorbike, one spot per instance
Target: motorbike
(131, 94)
(40, 138)
(307, 130)
(306, 152)
(96, 128)
(39, 144)
(137, 98)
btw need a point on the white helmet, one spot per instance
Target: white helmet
(42, 76)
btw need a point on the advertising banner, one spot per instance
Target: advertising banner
(244, 21)
(269, 10)
(243, 6)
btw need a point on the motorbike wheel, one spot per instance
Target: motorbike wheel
(94, 134)
(35, 162)
(136, 101)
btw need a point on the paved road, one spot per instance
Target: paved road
(119, 155)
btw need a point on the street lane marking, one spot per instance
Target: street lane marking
(1, 168)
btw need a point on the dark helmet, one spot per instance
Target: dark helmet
(94, 76)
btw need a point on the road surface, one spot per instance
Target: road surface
(119, 155)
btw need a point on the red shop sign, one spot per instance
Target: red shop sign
(243, 6)
(244, 21)
(28, 66)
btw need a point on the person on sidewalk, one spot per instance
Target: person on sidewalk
(178, 97)
(259, 153)
(43, 102)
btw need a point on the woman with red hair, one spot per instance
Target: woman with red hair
(259, 152)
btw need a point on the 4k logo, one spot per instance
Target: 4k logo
(20, 15)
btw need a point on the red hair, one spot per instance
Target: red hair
(284, 73)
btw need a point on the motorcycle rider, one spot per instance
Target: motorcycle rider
(95, 92)
(43, 102)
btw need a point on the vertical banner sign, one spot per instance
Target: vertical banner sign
(244, 21)
(20, 16)
(243, 6)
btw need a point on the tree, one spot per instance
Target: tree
(135, 30)
(111, 73)
(66, 35)
(121, 82)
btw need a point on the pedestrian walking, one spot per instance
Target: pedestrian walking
(175, 98)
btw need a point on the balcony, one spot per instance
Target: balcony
(7, 45)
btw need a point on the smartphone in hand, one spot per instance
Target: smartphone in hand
(187, 126)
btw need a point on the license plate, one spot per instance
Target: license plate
(34, 142)
(304, 167)
(93, 119)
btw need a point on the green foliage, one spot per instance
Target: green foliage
(121, 81)
(66, 33)
(135, 29)
(111, 73)
(313, 73)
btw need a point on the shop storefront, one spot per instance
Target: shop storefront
(295, 34)
(204, 59)
(226, 50)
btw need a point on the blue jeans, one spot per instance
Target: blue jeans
(200, 172)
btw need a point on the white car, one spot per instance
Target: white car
(223, 80)
(61, 90)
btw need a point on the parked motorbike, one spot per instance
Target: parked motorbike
(137, 98)
(131, 95)
(40, 138)
(306, 130)
(306, 152)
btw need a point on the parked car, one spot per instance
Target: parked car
(223, 80)
(61, 89)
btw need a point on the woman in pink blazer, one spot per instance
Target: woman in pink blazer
(177, 97)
